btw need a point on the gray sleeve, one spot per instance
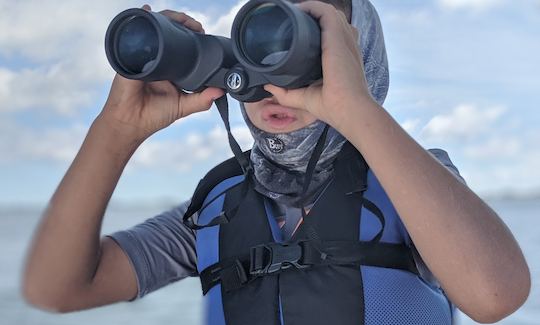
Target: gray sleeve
(443, 158)
(161, 250)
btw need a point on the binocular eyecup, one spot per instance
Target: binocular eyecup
(272, 41)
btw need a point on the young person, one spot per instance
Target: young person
(372, 183)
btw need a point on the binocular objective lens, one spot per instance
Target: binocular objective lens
(266, 35)
(136, 45)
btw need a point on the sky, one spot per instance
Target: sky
(464, 77)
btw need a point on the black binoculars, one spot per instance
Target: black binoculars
(272, 42)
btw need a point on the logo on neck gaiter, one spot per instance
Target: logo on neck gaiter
(275, 145)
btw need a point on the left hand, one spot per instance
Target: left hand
(344, 84)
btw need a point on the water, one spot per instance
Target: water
(180, 303)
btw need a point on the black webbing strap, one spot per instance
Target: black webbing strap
(311, 233)
(377, 213)
(216, 175)
(231, 273)
(392, 256)
(223, 108)
(272, 258)
(244, 162)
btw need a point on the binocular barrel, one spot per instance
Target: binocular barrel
(272, 41)
(278, 40)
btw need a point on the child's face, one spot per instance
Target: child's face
(271, 117)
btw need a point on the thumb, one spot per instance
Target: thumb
(288, 97)
(198, 102)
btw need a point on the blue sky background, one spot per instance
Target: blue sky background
(464, 77)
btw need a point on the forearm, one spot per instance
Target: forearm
(462, 240)
(65, 251)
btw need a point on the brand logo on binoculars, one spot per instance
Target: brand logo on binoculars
(234, 81)
(275, 145)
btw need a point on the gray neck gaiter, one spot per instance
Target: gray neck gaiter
(280, 160)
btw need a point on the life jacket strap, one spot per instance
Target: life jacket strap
(243, 162)
(273, 258)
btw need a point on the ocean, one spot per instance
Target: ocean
(180, 303)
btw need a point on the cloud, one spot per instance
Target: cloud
(20, 144)
(496, 147)
(223, 24)
(52, 53)
(500, 164)
(63, 87)
(469, 4)
(464, 122)
(409, 16)
(196, 148)
(60, 145)
(411, 125)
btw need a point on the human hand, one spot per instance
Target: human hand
(344, 84)
(142, 108)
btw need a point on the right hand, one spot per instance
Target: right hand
(140, 109)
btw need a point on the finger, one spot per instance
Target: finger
(325, 13)
(355, 32)
(288, 97)
(194, 25)
(330, 21)
(184, 19)
(127, 86)
(147, 7)
(354, 45)
(343, 16)
(354, 36)
(198, 102)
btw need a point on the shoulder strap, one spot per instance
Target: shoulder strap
(227, 169)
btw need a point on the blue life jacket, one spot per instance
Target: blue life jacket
(349, 262)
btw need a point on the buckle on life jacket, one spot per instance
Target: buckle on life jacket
(274, 257)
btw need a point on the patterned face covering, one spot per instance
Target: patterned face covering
(280, 160)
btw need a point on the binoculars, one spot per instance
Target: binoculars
(272, 42)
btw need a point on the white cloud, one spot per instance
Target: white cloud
(19, 143)
(411, 125)
(469, 4)
(60, 145)
(196, 148)
(54, 50)
(415, 17)
(464, 122)
(490, 146)
(496, 172)
(496, 147)
(64, 87)
(223, 24)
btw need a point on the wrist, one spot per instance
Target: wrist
(353, 113)
(115, 135)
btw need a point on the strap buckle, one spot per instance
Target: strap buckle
(274, 257)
